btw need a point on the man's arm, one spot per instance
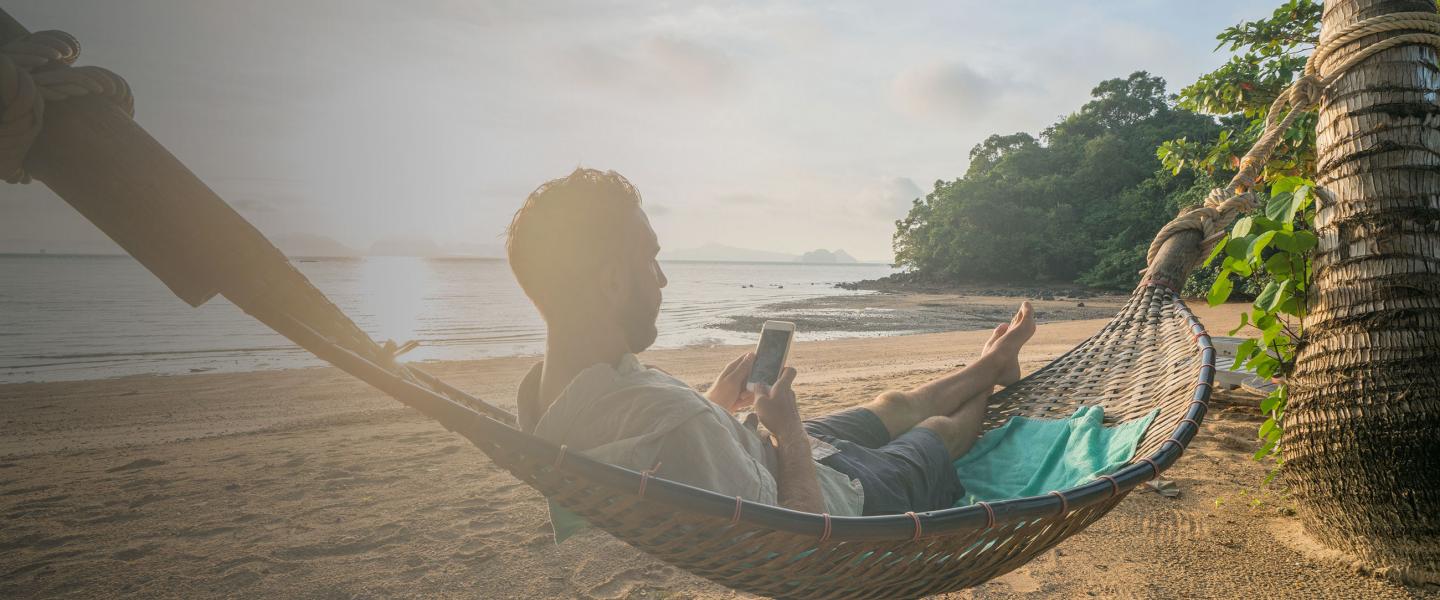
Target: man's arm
(798, 487)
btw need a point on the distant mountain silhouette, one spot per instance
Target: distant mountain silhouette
(723, 253)
(825, 256)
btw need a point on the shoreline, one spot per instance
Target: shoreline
(37, 428)
(820, 318)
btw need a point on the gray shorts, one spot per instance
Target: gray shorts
(912, 472)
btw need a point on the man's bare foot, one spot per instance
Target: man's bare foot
(1018, 331)
(994, 337)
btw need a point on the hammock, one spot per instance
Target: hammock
(1153, 354)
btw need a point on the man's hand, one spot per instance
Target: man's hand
(798, 488)
(775, 405)
(728, 391)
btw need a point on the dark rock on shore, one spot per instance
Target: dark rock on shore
(905, 283)
(899, 313)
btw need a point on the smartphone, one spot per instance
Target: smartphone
(771, 352)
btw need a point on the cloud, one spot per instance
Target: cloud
(657, 66)
(692, 67)
(742, 198)
(890, 198)
(944, 89)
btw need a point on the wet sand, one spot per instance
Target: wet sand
(904, 313)
(308, 484)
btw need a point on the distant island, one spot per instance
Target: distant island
(723, 253)
(319, 246)
(824, 256)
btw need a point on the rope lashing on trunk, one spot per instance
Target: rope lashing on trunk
(1324, 66)
(36, 69)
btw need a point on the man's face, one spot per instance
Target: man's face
(639, 311)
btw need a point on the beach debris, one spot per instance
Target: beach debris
(1164, 487)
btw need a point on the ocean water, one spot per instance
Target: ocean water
(91, 317)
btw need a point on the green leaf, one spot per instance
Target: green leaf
(1240, 267)
(1305, 241)
(1269, 403)
(1278, 265)
(1243, 352)
(1264, 224)
(1244, 320)
(1259, 243)
(1242, 227)
(1267, 336)
(1307, 198)
(1267, 297)
(1265, 450)
(1285, 184)
(1285, 291)
(1219, 247)
(1279, 206)
(1220, 291)
(1237, 246)
(1267, 427)
(1266, 369)
(1298, 242)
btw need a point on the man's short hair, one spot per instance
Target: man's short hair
(566, 229)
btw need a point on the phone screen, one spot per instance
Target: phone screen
(770, 356)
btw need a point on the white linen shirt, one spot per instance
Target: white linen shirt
(636, 417)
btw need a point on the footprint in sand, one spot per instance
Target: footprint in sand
(143, 463)
(618, 586)
(136, 552)
(29, 490)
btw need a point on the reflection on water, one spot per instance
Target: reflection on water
(82, 317)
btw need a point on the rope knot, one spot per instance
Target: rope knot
(1212, 219)
(33, 70)
(1306, 91)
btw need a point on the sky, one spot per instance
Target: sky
(782, 126)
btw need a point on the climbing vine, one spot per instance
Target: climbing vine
(1267, 254)
(1275, 247)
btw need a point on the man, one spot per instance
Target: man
(585, 254)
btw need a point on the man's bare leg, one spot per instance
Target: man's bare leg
(949, 396)
(961, 429)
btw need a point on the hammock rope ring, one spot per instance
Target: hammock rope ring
(1153, 354)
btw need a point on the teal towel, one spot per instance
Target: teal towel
(1030, 457)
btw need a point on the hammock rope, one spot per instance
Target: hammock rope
(1324, 66)
(37, 69)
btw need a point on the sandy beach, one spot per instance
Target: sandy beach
(308, 484)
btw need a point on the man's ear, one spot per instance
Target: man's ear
(612, 284)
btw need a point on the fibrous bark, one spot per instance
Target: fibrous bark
(1362, 433)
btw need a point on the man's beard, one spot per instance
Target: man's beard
(639, 323)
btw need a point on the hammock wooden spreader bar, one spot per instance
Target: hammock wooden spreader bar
(83, 144)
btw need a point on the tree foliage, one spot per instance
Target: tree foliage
(1079, 203)
(1082, 201)
(1269, 252)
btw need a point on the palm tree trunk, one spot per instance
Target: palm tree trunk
(1362, 433)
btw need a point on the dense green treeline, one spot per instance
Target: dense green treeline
(1080, 203)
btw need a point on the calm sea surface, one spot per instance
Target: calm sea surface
(89, 317)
